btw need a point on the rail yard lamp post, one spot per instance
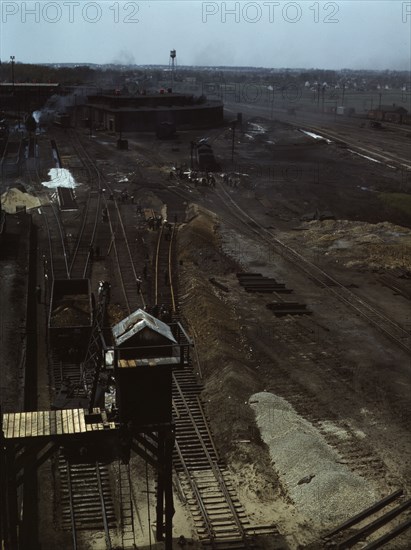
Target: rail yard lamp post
(12, 58)
(233, 125)
(193, 146)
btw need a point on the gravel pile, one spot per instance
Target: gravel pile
(323, 490)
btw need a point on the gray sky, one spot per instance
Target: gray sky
(373, 34)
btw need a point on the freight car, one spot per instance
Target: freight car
(71, 315)
(62, 119)
(205, 158)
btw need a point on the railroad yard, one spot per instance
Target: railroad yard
(287, 275)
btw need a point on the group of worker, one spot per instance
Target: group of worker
(124, 197)
(231, 181)
(154, 222)
(206, 180)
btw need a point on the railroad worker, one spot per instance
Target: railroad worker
(132, 199)
(182, 541)
(138, 283)
(105, 290)
(38, 294)
(111, 196)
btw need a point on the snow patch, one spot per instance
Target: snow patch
(60, 177)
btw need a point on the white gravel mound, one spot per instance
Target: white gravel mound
(323, 491)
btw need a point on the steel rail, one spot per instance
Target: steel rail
(113, 244)
(381, 541)
(72, 514)
(89, 162)
(157, 262)
(103, 508)
(170, 272)
(374, 525)
(214, 467)
(198, 497)
(364, 514)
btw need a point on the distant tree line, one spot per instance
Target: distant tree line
(117, 76)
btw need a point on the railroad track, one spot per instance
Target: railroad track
(58, 263)
(218, 516)
(394, 519)
(377, 319)
(164, 292)
(309, 121)
(374, 151)
(127, 273)
(82, 255)
(126, 504)
(86, 499)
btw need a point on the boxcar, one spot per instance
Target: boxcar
(71, 315)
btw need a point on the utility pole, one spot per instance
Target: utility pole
(233, 125)
(12, 58)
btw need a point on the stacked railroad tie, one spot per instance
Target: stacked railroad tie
(256, 282)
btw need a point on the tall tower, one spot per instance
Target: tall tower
(172, 64)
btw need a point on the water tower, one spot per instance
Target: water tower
(172, 64)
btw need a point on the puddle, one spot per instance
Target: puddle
(314, 136)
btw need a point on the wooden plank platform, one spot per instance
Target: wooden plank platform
(51, 423)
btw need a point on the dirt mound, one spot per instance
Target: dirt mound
(358, 244)
(223, 349)
(15, 198)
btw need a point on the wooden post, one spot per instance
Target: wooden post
(168, 489)
(160, 487)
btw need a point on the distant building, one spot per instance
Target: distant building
(146, 112)
(388, 113)
(26, 96)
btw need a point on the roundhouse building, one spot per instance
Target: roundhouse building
(134, 113)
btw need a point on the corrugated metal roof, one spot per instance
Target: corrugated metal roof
(136, 322)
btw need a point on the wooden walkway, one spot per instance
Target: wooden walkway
(51, 423)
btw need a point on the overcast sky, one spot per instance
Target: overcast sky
(358, 34)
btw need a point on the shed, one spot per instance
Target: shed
(146, 351)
